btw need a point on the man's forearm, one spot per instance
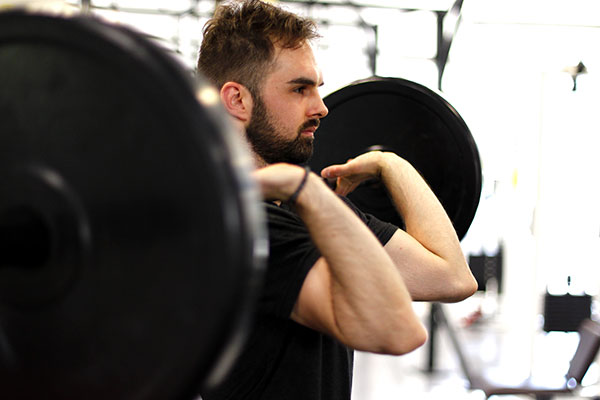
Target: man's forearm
(370, 303)
(448, 277)
(424, 217)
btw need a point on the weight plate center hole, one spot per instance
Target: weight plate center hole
(25, 238)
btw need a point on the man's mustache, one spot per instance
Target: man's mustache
(309, 124)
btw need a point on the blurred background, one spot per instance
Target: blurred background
(524, 75)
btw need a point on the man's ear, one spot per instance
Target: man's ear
(237, 100)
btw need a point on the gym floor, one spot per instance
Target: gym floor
(495, 344)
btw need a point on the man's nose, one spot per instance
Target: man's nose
(320, 110)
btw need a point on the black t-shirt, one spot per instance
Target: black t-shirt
(283, 359)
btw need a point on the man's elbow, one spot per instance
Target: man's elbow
(406, 342)
(462, 288)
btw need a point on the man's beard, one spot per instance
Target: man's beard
(266, 141)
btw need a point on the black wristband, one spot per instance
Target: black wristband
(294, 196)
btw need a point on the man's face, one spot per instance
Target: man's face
(287, 111)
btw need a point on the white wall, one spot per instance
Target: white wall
(539, 140)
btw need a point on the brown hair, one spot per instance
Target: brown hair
(238, 42)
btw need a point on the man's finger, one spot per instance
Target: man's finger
(330, 172)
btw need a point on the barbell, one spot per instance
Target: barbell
(132, 237)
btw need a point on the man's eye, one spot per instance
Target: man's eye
(300, 90)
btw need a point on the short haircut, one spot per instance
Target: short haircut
(239, 41)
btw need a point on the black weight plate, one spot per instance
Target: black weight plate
(414, 122)
(154, 237)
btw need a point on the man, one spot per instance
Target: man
(337, 279)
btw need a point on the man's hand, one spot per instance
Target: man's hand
(279, 181)
(355, 171)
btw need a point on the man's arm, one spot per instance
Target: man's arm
(428, 254)
(354, 291)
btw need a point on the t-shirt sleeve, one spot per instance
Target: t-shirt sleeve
(382, 230)
(292, 254)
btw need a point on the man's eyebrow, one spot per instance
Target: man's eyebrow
(304, 81)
